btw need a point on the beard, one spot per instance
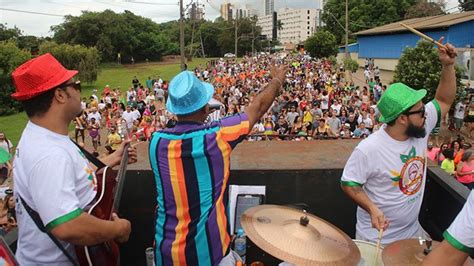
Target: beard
(413, 131)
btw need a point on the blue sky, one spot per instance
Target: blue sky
(159, 11)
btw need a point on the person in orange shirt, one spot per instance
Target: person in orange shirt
(460, 153)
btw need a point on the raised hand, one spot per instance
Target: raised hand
(447, 54)
(279, 72)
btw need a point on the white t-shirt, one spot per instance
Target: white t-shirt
(160, 93)
(337, 107)
(6, 145)
(392, 173)
(131, 94)
(95, 97)
(367, 121)
(129, 118)
(95, 115)
(137, 114)
(101, 106)
(460, 233)
(324, 102)
(149, 98)
(459, 110)
(54, 179)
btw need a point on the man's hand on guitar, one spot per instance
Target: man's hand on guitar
(124, 228)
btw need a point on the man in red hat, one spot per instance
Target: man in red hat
(51, 174)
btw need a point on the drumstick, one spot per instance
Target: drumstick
(423, 35)
(379, 239)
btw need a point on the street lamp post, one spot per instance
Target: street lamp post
(181, 32)
(347, 29)
(235, 36)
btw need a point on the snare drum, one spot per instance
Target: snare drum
(367, 253)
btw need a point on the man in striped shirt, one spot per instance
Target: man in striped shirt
(191, 165)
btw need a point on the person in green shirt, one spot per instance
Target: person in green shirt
(372, 84)
(448, 163)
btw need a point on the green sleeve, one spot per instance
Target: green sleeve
(62, 219)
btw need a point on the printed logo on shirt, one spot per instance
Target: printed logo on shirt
(89, 169)
(410, 178)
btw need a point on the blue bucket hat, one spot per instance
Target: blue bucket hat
(187, 94)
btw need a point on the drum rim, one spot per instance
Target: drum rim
(367, 242)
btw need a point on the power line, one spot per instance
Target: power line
(213, 6)
(31, 12)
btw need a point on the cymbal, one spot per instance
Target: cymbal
(282, 233)
(407, 252)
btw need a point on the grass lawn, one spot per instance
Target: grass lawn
(111, 74)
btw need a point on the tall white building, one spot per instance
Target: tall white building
(269, 7)
(196, 12)
(244, 11)
(226, 11)
(266, 23)
(297, 24)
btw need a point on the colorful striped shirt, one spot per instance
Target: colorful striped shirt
(191, 165)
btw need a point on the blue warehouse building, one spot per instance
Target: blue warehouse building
(385, 44)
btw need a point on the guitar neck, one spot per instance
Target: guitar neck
(120, 179)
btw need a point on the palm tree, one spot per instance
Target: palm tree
(279, 26)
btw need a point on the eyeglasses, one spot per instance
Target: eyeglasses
(421, 111)
(74, 84)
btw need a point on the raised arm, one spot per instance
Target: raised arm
(446, 91)
(265, 98)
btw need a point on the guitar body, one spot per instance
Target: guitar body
(105, 254)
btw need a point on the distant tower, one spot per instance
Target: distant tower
(226, 11)
(196, 12)
(269, 7)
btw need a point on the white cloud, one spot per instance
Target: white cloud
(39, 25)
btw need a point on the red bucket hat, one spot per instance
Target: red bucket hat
(39, 75)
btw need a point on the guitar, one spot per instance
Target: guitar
(107, 201)
(6, 254)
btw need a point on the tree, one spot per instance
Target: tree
(351, 65)
(424, 9)
(419, 67)
(466, 5)
(209, 31)
(112, 33)
(10, 58)
(8, 34)
(85, 60)
(363, 14)
(321, 44)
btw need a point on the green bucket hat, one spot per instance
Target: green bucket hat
(397, 99)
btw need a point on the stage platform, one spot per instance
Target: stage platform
(278, 155)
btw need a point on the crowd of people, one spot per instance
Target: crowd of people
(7, 202)
(316, 102)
